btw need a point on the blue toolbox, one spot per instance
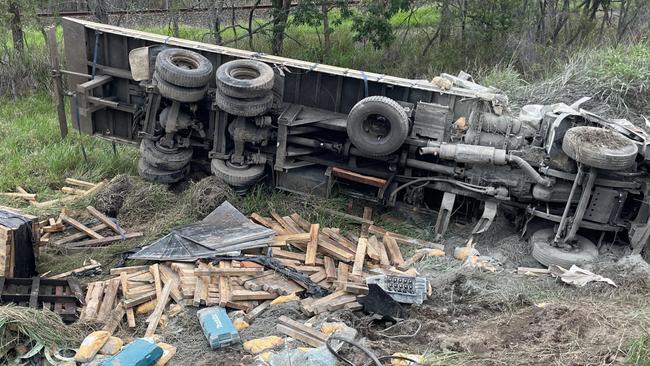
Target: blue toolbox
(218, 327)
(141, 352)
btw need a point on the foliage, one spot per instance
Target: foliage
(372, 22)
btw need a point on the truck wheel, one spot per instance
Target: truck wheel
(599, 148)
(162, 158)
(183, 68)
(237, 175)
(377, 126)
(156, 175)
(178, 93)
(584, 251)
(249, 107)
(245, 78)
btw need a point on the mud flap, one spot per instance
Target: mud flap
(489, 212)
(444, 215)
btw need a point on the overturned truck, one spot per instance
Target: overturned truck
(310, 128)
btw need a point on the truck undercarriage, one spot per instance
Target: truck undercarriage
(311, 129)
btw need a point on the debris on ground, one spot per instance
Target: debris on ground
(579, 277)
(75, 189)
(274, 289)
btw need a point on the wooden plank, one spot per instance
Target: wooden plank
(315, 333)
(257, 311)
(124, 280)
(340, 302)
(384, 261)
(80, 183)
(293, 224)
(102, 241)
(106, 220)
(336, 236)
(394, 253)
(23, 191)
(199, 289)
(318, 276)
(110, 296)
(421, 253)
(228, 271)
(224, 286)
(69, 220)
(132, 269)
(244, 295)
(80, 235)
(141, 299)
(330, 268)
(155, 271)
(302, 223)
(372, 251)
(367, 215)
(70, 190)
(343, 272)
(154, 318)
(92, 305)
(28, 196)
(76, 271)
(355, 288)
(286, 226)
(312, 246)
(33, 295)
(359, 178)
(295, 334)
(130, 317)
(403, 239)
(167, 275)
(115, 318)
(359, 258)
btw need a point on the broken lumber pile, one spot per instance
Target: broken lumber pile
(87, 235)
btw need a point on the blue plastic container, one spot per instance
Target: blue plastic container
(217, 327)
(141, 352)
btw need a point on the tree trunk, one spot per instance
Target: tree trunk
(327, 32)
(280, 15)
(250, 24)
(16, 27)
(445, 22)
(217, 8)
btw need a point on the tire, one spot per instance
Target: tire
(165, 159)
(156, 175)
(585, 251)
(599, 148)
(236, 176)
(183, 68)
(250, 107)
(388, 121)
(245, 78)
(181, 94)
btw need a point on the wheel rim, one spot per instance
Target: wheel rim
(376, 126)
(184, 62)
(241, 73)
(237, 166)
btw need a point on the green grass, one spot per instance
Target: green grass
(35, 157)
(638, 353)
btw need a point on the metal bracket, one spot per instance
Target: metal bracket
(444, 215)
(489, 213)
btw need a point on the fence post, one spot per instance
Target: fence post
(57, 80)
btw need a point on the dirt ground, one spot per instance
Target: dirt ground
(472, 318)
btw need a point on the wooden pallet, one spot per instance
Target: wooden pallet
(7, 244)
(59, 296)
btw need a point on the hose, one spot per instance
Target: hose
(529, 170)
(374, 359)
